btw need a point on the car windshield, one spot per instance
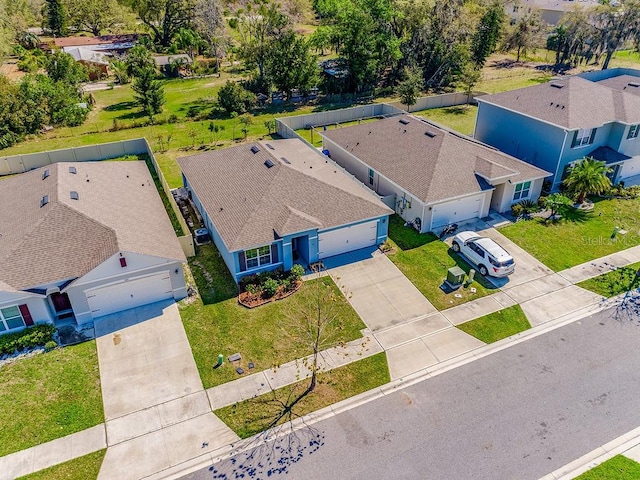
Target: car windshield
(504, 263)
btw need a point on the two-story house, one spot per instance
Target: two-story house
(555, 124)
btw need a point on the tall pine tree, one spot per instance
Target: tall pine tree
(56, 18)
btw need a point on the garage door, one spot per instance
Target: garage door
(130, 294)
(456, 211)
(347, 239)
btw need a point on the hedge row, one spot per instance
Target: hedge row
(31, 337)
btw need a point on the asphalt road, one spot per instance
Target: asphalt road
(519, 414)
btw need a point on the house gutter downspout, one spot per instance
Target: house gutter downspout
(564, 142)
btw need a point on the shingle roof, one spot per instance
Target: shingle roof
(162, 60)
(100, 40)
(608, 155)
(557, 5)
(572, 103)
(431, 167)
(81, 54)
(118, 209)
(625, 83)
(252, 204)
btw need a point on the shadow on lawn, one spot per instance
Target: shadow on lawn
(407, 238)
(116, 107)
(212, 278)
(466, 266)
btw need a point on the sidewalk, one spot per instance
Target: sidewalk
(415, 348)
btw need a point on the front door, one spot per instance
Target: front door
(613, 173)
(60, 302)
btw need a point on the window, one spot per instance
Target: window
(371, 174)
(634, 130)
(582, 137)
(10, 317)
(258, 257)
(522, 190)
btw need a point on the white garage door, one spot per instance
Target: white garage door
(456, 211)
(347, 239)
(130, 294)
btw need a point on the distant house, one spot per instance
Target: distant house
(555, 124)
(104, 43)
(551, 11)
(269, 205)
(172, 65)
(96, 62)
(435, 176)
(82, 240)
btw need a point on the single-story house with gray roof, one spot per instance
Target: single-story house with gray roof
(555, 124)
(82, 240)
(437, 176)
(270, 205)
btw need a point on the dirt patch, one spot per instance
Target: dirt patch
(250, 300)
(10, 70)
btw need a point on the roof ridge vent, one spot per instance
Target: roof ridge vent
(557, 85)
(255, 149)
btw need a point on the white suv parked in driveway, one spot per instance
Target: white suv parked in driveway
(490, 258)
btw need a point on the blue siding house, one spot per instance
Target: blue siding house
(557, 123)
(271, 205)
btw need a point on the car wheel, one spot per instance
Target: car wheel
(455, 247)
(483, 270)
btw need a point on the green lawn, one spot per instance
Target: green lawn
(48, 396)
(252, 416)
(581, 236)
(460, 118)
(497, 325)
(81, 468)
(219, 325)
(614, 283)
(424, 260)
(616, 468)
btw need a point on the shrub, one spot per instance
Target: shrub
(529, 206)
(173, 118)
(517, 209)
(50, 345)
(28, 338)
(232, 97)
(252, 288)
(286, 284)
(296, 273)
(270, 287)
(233, 23)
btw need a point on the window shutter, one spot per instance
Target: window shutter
(243, 261)
(593, 136)
(575, 138)
(274, 253)
(26, 315)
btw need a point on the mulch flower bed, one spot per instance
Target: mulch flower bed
(250, 300)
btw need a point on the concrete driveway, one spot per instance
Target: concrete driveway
(156, 410)
(379, 292)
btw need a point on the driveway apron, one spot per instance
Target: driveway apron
(380, 293)
(156, 410)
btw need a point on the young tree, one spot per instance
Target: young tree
(290, 64)
(246, 121)
(588, 176)
(471, 75)
(56, 17)
(164, 17)
(488, 32)
(409, 89)
(149, 92)
(525, 34)
(616, 23)
(215, 130)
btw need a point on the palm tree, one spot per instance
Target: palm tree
(588, 176)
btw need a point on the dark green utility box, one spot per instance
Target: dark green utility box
(455, 277)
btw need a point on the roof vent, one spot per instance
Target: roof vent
(268, 163)
(44, 200)
(73, 170)
(285, 160)
(73, 195)
(634, 84)
(255, 149)
(269, 146)
(557, 85)
(45, 174)
(430, 134)
(404, 121)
